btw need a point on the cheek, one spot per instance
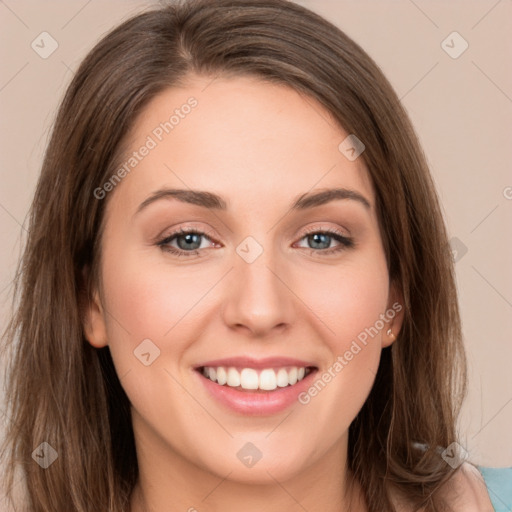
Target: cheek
(349, 303)
(153, 309)
(148, 300)
(150, 310)
(346, 299)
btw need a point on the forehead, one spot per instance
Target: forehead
(240, 137)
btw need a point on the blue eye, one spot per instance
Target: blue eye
(189, 242)
(323, 238)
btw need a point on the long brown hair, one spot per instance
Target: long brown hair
(64, 392)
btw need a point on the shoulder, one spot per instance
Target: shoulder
(466, 491)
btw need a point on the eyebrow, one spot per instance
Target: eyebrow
(216, 202)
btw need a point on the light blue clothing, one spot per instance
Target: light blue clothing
(499, 486)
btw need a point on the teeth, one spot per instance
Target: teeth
(268, 380)
(282, 378)
(221, 376)
(233, 378)
(249, 378)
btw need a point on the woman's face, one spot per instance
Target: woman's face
(266, 288)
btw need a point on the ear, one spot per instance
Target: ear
(93, 318)
(395, 313)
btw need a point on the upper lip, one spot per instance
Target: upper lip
(250, 362)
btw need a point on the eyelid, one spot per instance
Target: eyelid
(323, 229)
(184, 230)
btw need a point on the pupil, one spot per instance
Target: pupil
(318, 235)
(188, 238)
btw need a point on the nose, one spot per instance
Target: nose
(259, 299)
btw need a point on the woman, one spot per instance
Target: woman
(256, 369)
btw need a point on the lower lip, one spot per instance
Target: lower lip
(256, 403)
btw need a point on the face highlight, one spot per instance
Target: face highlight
(224, 244)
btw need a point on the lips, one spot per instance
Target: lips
(256, 386)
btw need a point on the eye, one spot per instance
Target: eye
(188, 241)
(321, 240)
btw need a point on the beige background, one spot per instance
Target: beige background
(461, 108)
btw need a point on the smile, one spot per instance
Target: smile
(255, 387)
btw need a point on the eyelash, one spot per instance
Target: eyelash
(345, 242)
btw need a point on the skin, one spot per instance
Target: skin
(258, 145)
